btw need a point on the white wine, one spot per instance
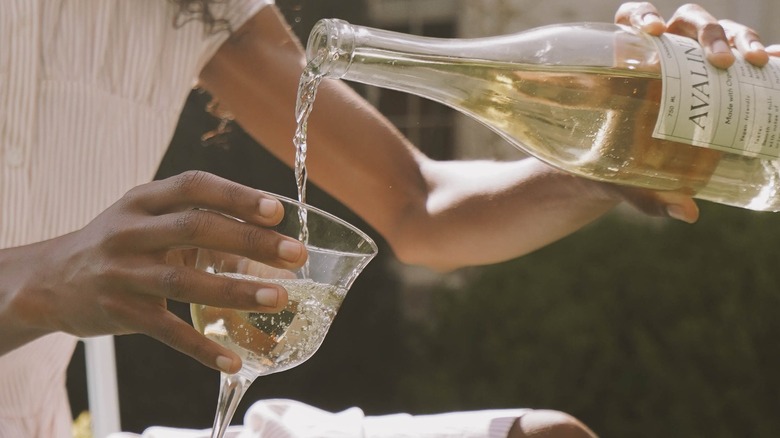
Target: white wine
(583, 98)
(598, 123)
(272, 342)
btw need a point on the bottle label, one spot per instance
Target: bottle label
(735, 110)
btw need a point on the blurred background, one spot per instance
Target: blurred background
(639, 327)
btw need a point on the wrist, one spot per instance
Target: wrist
(22, 307)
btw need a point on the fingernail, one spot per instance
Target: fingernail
(268, 207)
(650, 18)
(268, 297)
(225, 363)
(756, 46)
(720, 46)
(677, 212)
(290, 251)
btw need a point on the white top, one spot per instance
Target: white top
(90, 95)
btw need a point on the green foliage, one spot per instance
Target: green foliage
(639, 329)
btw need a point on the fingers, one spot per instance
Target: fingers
(663, 204)
(152, 318)
(678, 206)
(207, 229)
(191, 210)
(773, 50)
(746, 40)
(194, 286)
(642, 15)
(170, 330)
(206, 191)
(693, 21)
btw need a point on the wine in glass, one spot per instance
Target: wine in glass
(272, 342)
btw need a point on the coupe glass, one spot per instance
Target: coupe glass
(273, 342)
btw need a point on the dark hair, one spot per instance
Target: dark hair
(200, 10)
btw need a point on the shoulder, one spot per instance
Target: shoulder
(263, 38)
(264, 25)
(240, 13)
(260, 61)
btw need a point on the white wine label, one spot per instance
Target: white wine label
(735, 110)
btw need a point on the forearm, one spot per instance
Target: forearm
(487, 212)
(442, 215)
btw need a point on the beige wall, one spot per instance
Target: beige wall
(491, 17)
(500, 16)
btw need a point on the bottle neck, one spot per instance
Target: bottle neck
(330, 47)
(335, 45)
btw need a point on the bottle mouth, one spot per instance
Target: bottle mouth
(329, 47)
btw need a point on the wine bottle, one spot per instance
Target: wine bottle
(602, 101)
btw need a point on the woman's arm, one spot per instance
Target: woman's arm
(439, 214)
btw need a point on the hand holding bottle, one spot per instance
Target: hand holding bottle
(716, 37)
(691, 20)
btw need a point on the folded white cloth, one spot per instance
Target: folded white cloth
(281, 418)
(169, 432)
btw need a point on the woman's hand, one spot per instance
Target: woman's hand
(113, 276)
(717, 37)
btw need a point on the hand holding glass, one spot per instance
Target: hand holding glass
(273, 342)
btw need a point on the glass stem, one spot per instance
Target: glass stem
(231, 388)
